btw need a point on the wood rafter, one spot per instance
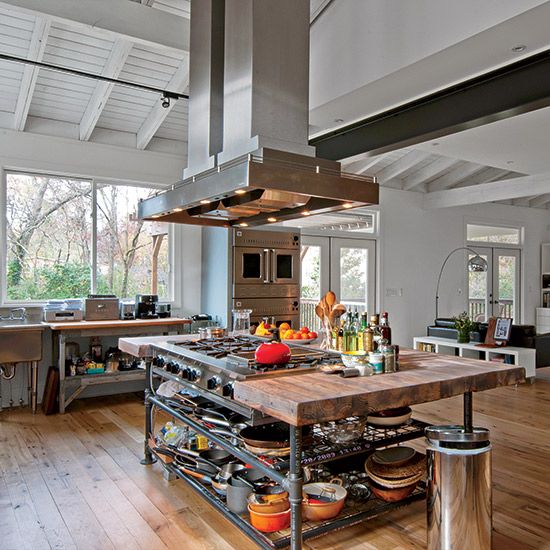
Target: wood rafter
(30, 73)
(455, 176)
(395, 169)
(515, 188)
(128, 20)
(113, 68)
(421, 176)
(158, 113)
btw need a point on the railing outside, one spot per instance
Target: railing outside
(476, 310)
(309, 319)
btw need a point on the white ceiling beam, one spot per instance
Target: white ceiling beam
(455, 176)
(400, 166)
(30, 73)
(539, 201)
(362, 165)
(524, 201)
(179, 82)
(487, 175)
(112, 69)
(148, 2)
(129, 20)
(515, 188)
(430, 171)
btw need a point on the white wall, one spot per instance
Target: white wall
(414, 243)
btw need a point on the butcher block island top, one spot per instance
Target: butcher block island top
(317, 397)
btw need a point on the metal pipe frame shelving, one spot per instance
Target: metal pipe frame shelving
(293, 483)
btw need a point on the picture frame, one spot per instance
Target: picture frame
(503, 328)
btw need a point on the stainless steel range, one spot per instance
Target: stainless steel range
(211, 367)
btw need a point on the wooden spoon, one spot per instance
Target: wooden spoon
(337, 311)
(319, 311)
(330, 299)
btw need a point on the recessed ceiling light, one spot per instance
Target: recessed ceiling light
(240, 192)
(509, 162)
(178, 209)
(205, 201)
(519, 48)
(338, 120)
(272, 220)
(243, 224)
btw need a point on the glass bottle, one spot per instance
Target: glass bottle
(361, 332)
(340, 338)
(385, 329)
(347, 332)
(368, 343)
(376, 335)
(353, 329)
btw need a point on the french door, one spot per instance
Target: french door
(346, 266)
(495, 293)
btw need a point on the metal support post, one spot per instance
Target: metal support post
(149, 458)
(468, 413)
(295, 487)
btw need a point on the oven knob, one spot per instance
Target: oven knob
(184, 372)
(173, 367)
(158, 361)
(194, 375)
(213, 383)
(227, 390)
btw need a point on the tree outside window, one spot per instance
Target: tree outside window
(49, 229)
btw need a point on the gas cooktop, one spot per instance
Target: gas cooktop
(210, 367)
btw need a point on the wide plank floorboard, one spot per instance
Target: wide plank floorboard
(74, 481)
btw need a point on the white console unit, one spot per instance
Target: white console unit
(542, 320)
(523, 357)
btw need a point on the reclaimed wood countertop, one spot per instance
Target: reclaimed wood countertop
(317, 397)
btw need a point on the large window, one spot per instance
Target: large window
(68, 238)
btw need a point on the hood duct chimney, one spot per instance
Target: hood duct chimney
(249, 161)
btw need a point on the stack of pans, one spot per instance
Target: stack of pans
(395, 472)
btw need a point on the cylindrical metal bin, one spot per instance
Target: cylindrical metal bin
(459, 488)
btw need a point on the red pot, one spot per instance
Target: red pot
(272, 353)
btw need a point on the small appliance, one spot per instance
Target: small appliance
(127, 310)
(146, 306)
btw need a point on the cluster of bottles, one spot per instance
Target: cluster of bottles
(357, 334)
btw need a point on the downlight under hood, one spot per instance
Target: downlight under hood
(249, 162)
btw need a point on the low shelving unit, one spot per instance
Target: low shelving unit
(283, 471)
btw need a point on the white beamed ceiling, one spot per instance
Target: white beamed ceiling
(63, 105)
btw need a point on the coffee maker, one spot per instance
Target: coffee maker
(146, 306)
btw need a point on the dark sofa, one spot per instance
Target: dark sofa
(522, 336)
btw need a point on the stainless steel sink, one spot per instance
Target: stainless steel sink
(20, 341)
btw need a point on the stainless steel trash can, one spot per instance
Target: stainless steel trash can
(459, 488)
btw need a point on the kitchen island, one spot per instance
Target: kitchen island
(310, 397)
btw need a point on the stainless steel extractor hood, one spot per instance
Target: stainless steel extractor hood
(249, 162)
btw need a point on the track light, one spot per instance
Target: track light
(165, 101)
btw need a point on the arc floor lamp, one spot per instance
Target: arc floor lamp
(476, 264)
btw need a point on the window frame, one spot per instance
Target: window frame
(172, 298)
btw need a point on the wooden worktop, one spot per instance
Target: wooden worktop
(317, 397)
(117, 323)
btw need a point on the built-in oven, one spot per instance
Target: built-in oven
(266, 266)
(266, 258)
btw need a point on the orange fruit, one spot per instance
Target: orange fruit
(284, 327)
(297, 336)
(304, 329)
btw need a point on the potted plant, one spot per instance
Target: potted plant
(464, 325)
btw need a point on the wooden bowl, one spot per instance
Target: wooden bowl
(412, 467)
(392, 495)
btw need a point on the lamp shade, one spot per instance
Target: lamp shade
(477, 264)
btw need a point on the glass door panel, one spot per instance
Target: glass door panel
(480, 298)
(506, 285)
(314, 258)
(353, 273)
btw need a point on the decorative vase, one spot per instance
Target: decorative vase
(463, 337)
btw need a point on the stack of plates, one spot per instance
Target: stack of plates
(395, 472)
(390, 417)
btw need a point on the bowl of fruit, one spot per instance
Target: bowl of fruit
(302, 336)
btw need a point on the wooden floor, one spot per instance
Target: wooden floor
(74, 481)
